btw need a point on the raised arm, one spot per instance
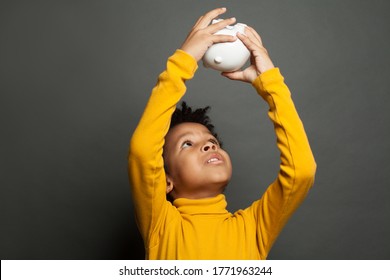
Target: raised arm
(146, 166)
(297, 164)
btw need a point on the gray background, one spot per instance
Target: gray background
(76, 75)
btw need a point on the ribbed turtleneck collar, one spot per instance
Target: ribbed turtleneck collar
(212, 205)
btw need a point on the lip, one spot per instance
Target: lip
(214, 159)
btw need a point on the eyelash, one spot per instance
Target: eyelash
(212, 140)
(186, 142)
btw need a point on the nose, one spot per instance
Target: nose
(209, 146)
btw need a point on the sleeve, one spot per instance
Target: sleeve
(297, 164)
(145, 161)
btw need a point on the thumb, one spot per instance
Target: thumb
(237, 75)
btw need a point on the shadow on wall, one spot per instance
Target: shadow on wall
(128, 244)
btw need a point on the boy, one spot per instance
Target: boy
(187, 162)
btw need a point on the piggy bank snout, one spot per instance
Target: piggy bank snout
(218, 60)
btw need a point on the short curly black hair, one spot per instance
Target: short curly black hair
(187, 114)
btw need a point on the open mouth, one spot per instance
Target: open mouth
(214, 159)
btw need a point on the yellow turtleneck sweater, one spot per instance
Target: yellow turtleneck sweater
(203, 228)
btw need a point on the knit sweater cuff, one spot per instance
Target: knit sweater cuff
(266, 79)
(185, 62)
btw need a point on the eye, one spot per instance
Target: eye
(214, 141)
(186, 144)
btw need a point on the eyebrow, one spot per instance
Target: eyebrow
(186, 134)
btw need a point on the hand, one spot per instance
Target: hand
(260, 61)
(202, 35)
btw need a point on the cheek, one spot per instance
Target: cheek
(228, 164)
(189, 168)
(227, 157)
(188, 163)
(183, 166)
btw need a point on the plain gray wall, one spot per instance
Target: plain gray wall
(76, 75)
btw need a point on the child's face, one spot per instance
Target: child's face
(197, 167)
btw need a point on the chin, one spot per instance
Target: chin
(222, 182)
(222, 177)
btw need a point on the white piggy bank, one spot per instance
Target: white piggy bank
(229, 56)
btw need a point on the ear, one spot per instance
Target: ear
(169, 184)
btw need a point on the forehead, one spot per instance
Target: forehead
(184, 129)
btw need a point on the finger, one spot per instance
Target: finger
(205, 20)
(248, 42)
(220, 25)
(197, 22)
(253, 37)
(253, 31)
(223, 38)
(237, 75)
